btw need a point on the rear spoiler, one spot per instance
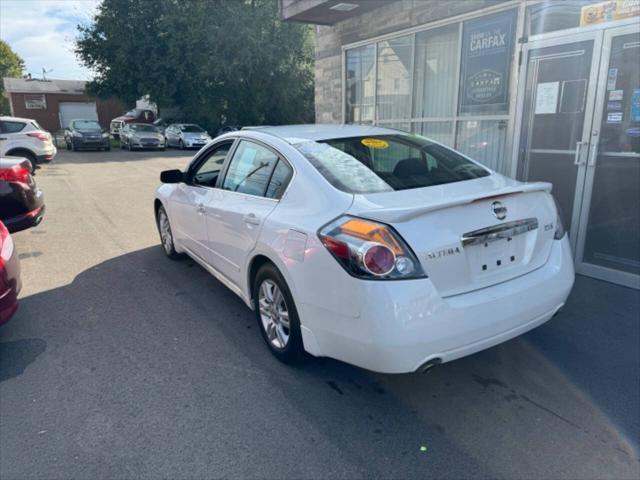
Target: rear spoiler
(402, 214)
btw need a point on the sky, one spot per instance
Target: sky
(42, 33)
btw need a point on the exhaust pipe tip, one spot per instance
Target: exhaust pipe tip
(429, 364)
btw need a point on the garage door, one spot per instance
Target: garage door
(73, 110)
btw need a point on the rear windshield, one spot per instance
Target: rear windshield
(143, 128)
(387, 162)
(86, 125)
(191, 128)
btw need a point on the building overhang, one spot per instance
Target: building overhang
(326, 12)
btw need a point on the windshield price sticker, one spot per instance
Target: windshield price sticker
(374, 143)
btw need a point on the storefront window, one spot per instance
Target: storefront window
(432, 84)
(484, 141)
(360, 73)
(439, 131)
(435, 72)
(394, 78)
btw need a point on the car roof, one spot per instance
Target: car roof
(13, 119)
(318, 132)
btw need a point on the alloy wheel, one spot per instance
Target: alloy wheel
(274, 314)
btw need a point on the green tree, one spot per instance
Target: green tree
(218, 61)
(11, 65)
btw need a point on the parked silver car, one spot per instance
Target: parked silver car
(186, 135)
(141, 135)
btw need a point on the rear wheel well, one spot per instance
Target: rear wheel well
(156, 206)
(17, 152)
(256, 262)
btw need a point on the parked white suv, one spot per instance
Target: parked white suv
(23, 137)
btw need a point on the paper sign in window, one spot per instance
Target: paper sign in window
(547, 98)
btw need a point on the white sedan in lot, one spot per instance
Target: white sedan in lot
(372, 246)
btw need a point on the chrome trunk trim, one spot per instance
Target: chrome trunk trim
(498, 232)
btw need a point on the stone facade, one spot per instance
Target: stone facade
(387, 19)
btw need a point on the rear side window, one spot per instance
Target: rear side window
(250, 169)
(11, 127)
(279, 180)
(388, 162)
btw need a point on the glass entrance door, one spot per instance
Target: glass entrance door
(608, 244)
(557, 113)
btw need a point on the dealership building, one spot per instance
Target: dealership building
(537, 90)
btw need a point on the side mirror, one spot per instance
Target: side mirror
(172, 176)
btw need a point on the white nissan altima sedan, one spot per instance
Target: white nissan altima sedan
(376, 247)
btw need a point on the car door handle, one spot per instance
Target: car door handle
(251, 219)
(200, 209)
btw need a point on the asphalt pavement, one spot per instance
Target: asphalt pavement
(121, 363)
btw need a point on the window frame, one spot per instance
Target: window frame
(203, 156)
(280, 156)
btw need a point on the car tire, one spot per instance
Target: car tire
(273, 304)
(166, 234)
(68, 145)
(181, 144)
(32, 160)
(107, 149)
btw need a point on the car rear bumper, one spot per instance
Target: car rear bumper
(403, 325)
(26, 220)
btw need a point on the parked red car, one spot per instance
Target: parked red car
(10, 283)
(137, 115)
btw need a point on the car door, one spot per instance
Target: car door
(239, 207)
(171, 135)
(187, 205)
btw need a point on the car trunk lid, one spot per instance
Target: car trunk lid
(459, 233)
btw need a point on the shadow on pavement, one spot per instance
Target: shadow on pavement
(16, 356)
(153, 368)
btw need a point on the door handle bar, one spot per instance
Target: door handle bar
(578, 157)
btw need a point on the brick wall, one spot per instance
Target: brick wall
(50, 120)
(388, 19)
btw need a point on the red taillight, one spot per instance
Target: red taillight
(338, 248)
(370, 250)
(379, 259)
(6, 244)
(16, 173)
(43, 137)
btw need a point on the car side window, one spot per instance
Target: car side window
(11, 127)
(279, 180)
(250, 169)
(207, 173)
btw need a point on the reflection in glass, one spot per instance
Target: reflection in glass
(435, 72)
(484, 141)
(438, 131)
(359, 84)
(394, 79)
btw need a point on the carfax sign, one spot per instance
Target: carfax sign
(487, 49)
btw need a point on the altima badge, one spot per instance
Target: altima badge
(499, 210)
(443, 253)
